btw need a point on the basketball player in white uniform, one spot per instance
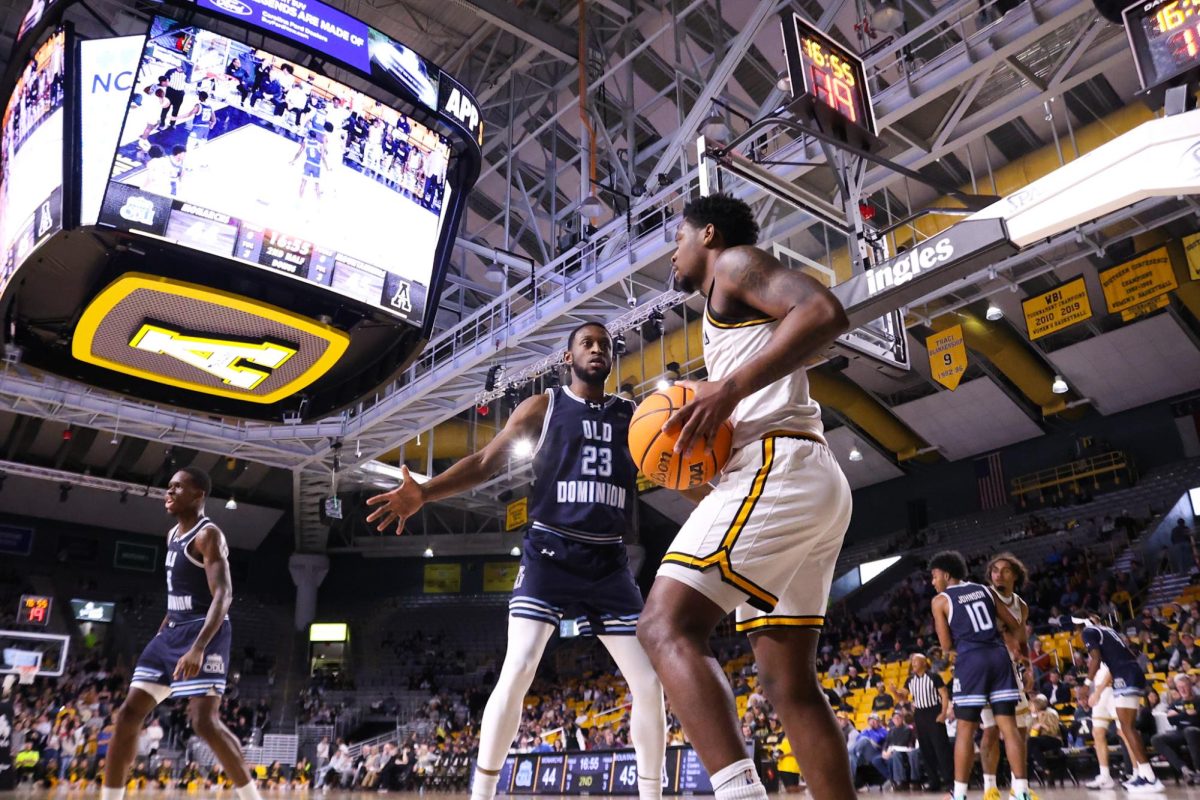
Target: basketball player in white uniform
(1104, 712)
(765, 540)
(1006, 573)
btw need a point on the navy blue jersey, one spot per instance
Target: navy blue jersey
(312, 153)
(1113, 650)
(585, 482)
(972, 617)
(188, 595)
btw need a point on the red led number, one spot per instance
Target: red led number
(37, 614)
(1186, 43)
(835, 93)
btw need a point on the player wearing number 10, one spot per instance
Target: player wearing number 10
(574, 560)
(969, 621)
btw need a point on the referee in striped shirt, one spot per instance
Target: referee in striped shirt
(931, 707)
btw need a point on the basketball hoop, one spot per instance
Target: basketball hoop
(26, 673)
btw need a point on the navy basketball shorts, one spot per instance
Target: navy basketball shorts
(1128, 686)
(561, 577)
(155, 667)
(985, 677)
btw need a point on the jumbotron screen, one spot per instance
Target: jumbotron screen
(233, 151)
(31, 156)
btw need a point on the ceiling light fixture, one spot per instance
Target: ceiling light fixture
(715, 127)
(428, 552)
(592, 206)
(515, 552)
(994, 312)
(1059, 386)
(231, 504)
(855, 454)
(887, 16)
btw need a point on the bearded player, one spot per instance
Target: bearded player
(1006, 573)
(190, 654)
(765, 540)
(574, 560)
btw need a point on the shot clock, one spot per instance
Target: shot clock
(829, 75)
(34, 609)
(1165, 38)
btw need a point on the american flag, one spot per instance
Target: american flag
(989, 475)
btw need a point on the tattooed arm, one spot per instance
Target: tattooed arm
(810, 317)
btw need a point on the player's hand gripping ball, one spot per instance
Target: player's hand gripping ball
(654, 451)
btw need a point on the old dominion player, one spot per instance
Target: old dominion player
(969, 621)
(190, 654)
(574, 561)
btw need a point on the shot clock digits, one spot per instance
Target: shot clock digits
(827, 73)
(1165, 38)
(832, 79)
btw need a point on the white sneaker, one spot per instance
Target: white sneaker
(1101, 782)
(1140, 785)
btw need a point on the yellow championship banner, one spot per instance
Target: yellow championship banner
(443, 578)
(1139, 280)
(1191, 248)
(516, 514)
(947, 356)
(1141, 309)
(499, 576)
(1059, 308)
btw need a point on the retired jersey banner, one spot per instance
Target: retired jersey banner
(499, 576)
(443, 578)
(1059, 308)
(1139, 280)
(516, 515)
(1191, 248)
(947, 356)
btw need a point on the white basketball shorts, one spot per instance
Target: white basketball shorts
(766, 540)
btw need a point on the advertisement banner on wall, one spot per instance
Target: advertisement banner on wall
(443, 578)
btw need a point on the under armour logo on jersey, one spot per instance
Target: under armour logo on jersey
(546, 552)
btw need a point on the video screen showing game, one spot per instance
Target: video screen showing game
(234, 151)
(31, 156)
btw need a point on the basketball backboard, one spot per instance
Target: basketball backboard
(47, 651)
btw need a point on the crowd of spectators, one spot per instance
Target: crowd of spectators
(61, 727)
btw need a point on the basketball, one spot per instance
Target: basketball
(653, 450)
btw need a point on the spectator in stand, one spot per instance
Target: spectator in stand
(1181, 547)
(837, 669)
(1057, 692)
(868, 748)
(1185, 652)
(1045, 731)
(1149, 622)
(900, 751)
(854, 681)
(1184, 715)
(882, 700)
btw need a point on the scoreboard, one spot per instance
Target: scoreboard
(34, 609)
(602, 772)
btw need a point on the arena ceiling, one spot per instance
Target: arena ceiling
(962, 93)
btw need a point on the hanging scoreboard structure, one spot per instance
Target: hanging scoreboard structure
(828, 80)
(1165, 38)
(253, 230)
